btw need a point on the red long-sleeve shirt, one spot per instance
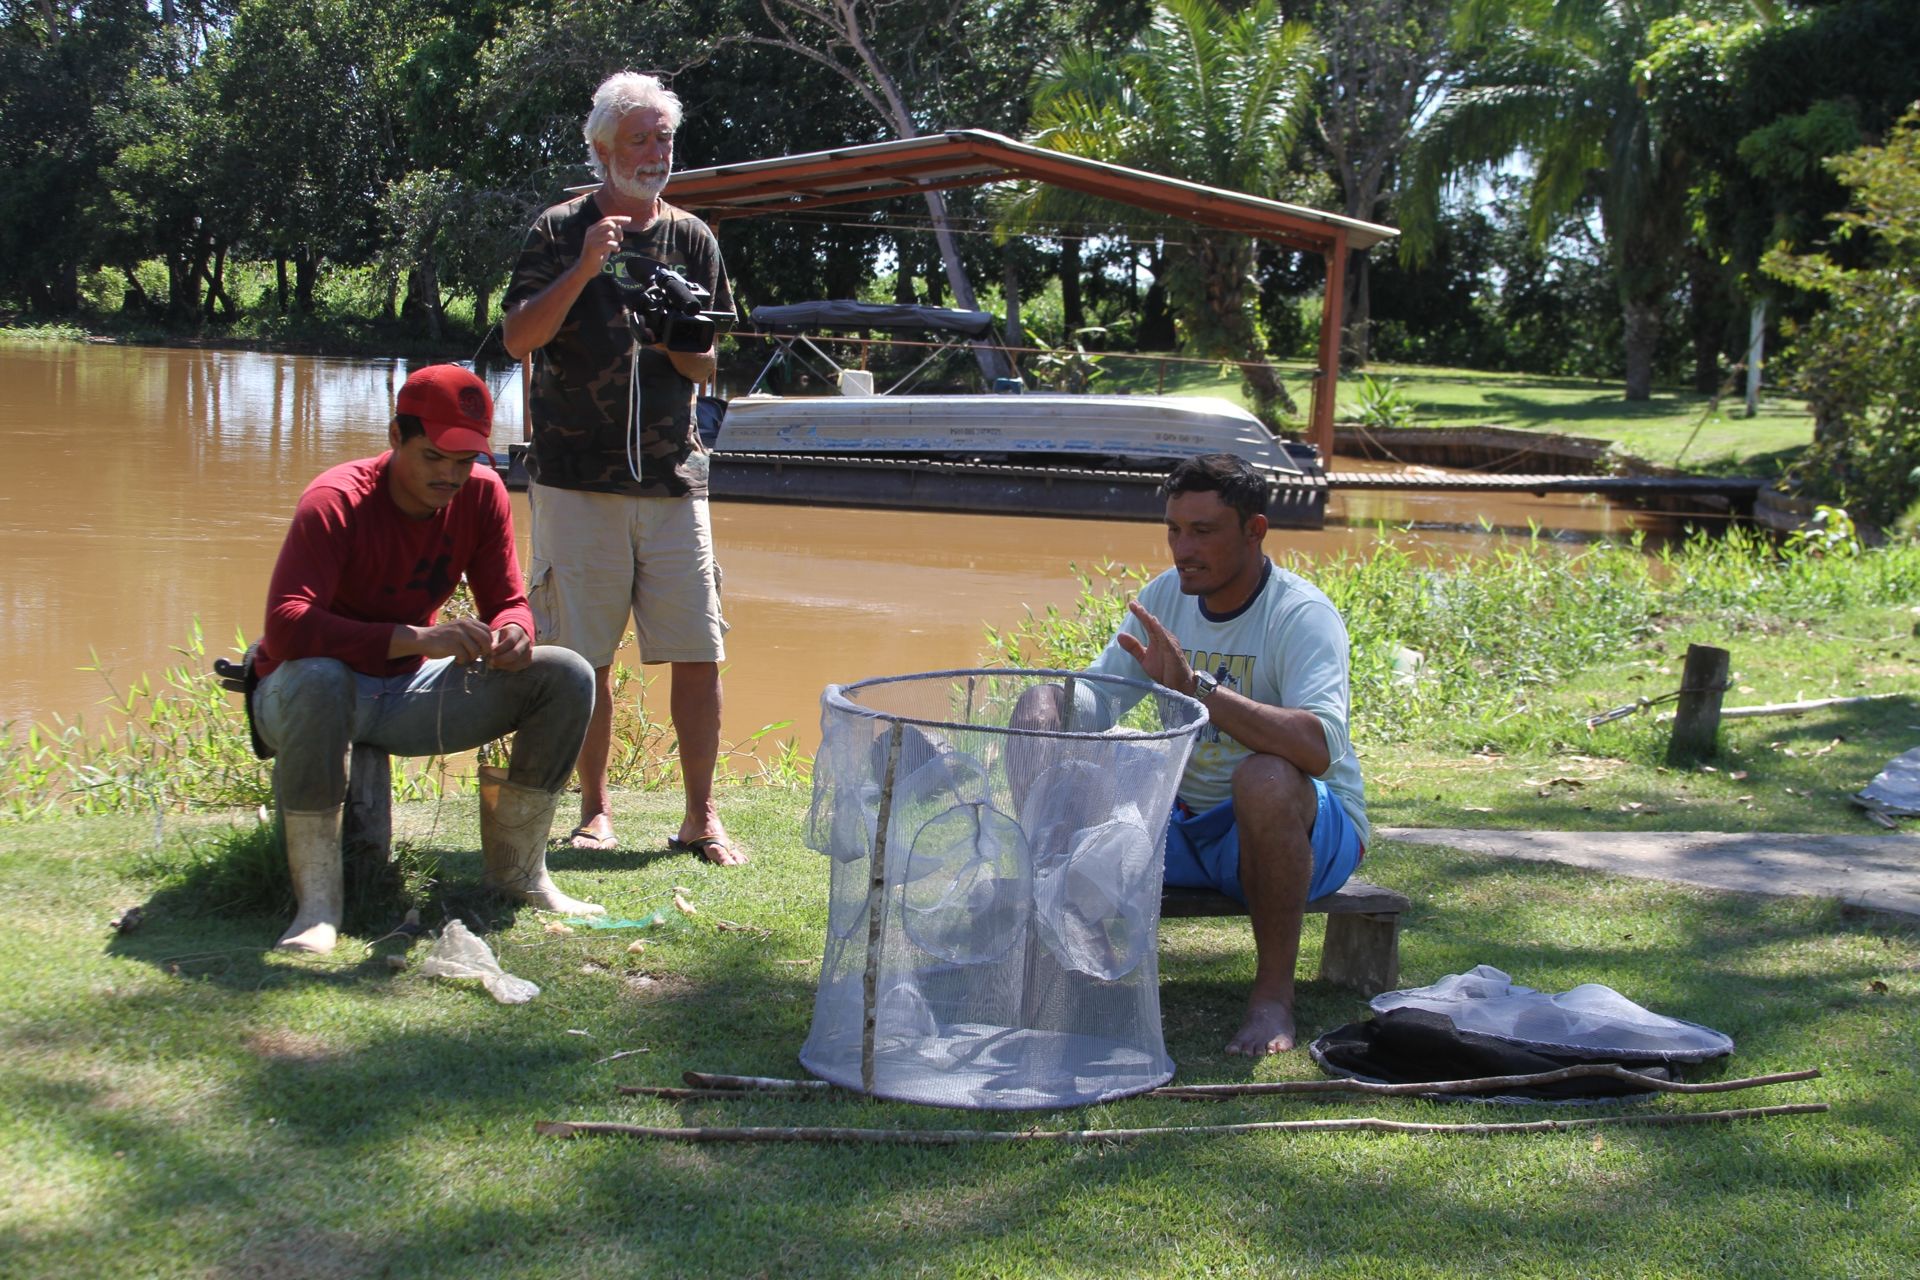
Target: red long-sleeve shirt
(354, 566)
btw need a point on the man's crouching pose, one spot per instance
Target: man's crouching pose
(352, 653)
(1270, 811)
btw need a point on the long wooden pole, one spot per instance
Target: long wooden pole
(708, 1084)
(962, 1137)
(876, 911)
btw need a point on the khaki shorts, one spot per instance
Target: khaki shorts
(599, 558)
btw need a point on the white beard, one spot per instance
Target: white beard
(634, 186)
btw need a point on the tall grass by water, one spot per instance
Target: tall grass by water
(1454, 652)
(1490, 635)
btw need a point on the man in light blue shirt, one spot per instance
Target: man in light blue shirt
(1271, 809)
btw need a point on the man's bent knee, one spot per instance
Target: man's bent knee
(1268, 789)
(305, 712)
(570, 678)
(305, 697)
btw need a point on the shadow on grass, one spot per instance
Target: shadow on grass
(397, 1147)
(242, 892)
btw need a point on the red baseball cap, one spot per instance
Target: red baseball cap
(453, 405)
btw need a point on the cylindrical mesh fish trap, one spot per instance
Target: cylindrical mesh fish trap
(991, 939)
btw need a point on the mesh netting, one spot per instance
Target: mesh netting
(996, 889)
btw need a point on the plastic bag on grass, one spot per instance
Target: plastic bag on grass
(458, 954)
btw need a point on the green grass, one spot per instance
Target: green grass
(1675, 428)
(181, 1102)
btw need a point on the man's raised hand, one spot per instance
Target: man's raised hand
(1161, 657)
(602, 241)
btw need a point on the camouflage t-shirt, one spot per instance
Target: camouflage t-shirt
(581, 379)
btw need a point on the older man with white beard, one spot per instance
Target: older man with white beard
(619, 493)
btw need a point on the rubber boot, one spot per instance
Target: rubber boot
(319, 883)
(514, 823)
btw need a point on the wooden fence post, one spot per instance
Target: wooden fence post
(1696, 720)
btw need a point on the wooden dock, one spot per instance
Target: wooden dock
(1738, 489)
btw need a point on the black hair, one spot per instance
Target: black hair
(409, 426)
(1233, 478)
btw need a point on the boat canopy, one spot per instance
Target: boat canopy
(844, 313)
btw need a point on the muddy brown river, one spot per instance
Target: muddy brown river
(144, 488)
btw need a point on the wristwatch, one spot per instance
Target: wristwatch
(1203, 685)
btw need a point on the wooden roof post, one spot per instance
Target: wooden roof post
(1327, 375)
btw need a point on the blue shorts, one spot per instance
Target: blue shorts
(1203, 849)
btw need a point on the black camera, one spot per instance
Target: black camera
(671, 308)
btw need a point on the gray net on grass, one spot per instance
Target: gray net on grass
(995, 889)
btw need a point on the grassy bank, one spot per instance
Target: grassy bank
(1516, 651)
(1513, 651)
(1676, 428)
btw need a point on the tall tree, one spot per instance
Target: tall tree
(1388, 63)
(62, 68)
(896, 55)
(301, 83)
(1204, 94)
(873, 47)
(1559, 86)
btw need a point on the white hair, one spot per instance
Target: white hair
(619, 94)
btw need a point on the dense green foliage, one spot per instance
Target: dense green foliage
(1493, 633)
(1859, 359)
(1205, 94)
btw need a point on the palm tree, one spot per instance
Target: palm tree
(1201, 94)
(1561, 85)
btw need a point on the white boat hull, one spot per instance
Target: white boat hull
(1145, 428)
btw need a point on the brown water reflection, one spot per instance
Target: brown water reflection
(144, 488)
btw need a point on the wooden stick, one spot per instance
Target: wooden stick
(876, 911)
(962, 1137)
(682, 1095)
(714, 1084)
(757, 1084)
(1580, 1071)
(1797, 708)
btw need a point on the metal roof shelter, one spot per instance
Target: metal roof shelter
(974, 157)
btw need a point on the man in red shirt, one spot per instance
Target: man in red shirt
(353, 652)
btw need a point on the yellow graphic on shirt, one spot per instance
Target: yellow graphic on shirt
(1234, 671)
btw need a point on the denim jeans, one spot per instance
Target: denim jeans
(311, 711)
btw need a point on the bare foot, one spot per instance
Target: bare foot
(595, 833)
(1268, 1029)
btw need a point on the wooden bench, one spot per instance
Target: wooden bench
(1362, 948)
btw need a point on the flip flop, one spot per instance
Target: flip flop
(585, 837)
(705, 846)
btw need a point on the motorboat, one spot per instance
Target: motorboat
(832, 438)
